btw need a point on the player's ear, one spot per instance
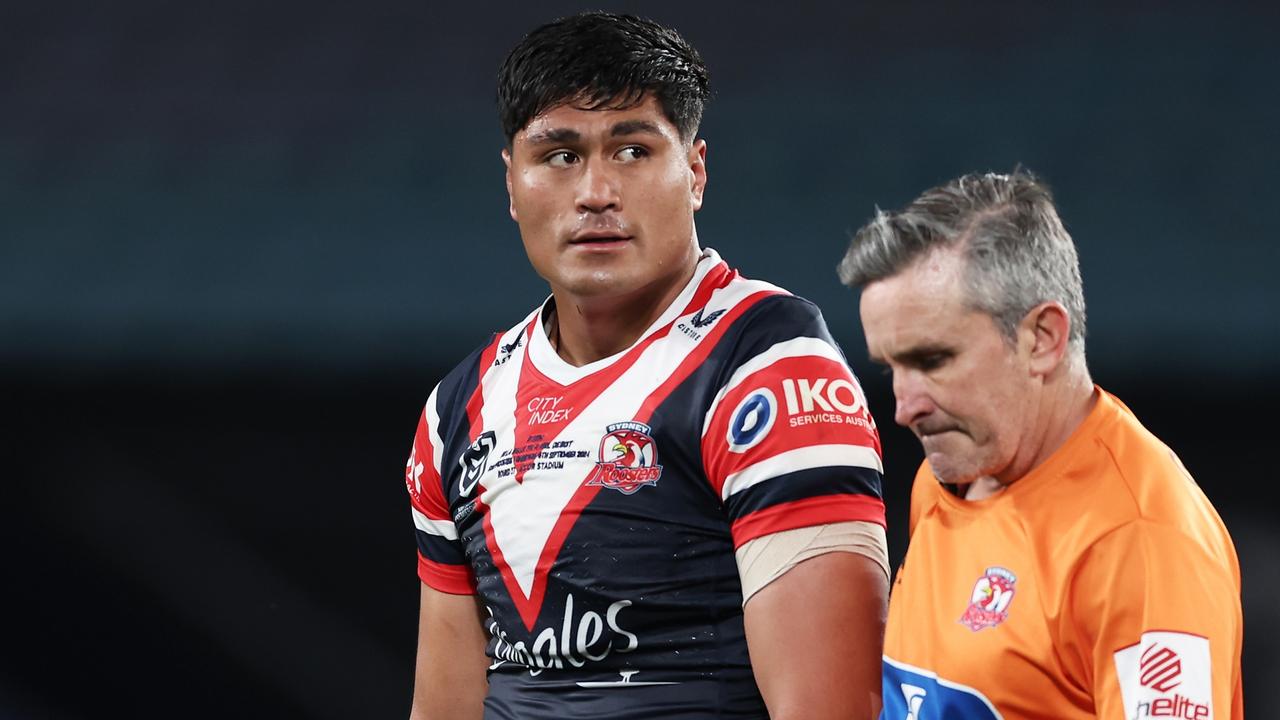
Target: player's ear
(698, 171)
(511, 201)
(1045, 331)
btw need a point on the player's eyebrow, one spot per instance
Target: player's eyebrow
(633, 127)
(553, 136)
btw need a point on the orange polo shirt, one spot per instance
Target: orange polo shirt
(1102, 584)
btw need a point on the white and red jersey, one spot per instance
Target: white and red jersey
(595, 510)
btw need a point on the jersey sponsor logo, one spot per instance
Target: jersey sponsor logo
(1167, 674)
(626, 681)
(834, 401)
(989, 601)
(474, 461)
(752, 420)
(628, 459)
(1161, 669)
(413, 475)
(698, 322)
(914, 696)
(505, 350)
(922, 695)
(577, 642)
(547, 410)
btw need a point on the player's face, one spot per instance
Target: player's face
(960, 386)
(605, 199)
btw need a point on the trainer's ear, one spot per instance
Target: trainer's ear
(511, 201)
(1045, 332)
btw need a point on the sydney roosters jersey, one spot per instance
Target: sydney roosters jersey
(595, 510)
(1101, 585)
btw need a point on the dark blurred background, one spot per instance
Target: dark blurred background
(240, 242)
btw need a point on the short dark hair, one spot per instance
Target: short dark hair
(598, 61)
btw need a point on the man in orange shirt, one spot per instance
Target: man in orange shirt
(1062, 562)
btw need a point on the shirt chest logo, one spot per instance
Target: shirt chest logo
(628, 459)
(990, 599)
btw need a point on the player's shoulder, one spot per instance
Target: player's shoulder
(773, 312)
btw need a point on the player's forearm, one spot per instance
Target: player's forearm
(462, 699)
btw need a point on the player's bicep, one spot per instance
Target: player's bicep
(449, 679)
(816, 636)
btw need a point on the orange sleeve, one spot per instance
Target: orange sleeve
(1153, 626)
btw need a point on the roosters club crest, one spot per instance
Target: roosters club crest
(989, 603)
(628, 459)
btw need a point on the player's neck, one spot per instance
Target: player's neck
(586, 329)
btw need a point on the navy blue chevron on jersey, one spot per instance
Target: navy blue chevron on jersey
(595, 510)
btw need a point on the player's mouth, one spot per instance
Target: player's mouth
(599, 239)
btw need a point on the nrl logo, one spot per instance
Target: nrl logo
(628, 459)
(474, 461)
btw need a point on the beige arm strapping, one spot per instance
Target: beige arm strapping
(767, 558)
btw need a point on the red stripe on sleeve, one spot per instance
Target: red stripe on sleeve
(820, 510)
(420, 476)
(452, 579)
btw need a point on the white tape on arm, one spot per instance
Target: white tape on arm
(767, 558)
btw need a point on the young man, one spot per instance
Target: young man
(1062, 562)
(665, 465)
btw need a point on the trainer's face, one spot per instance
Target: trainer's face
(605, 199)
(959, 385)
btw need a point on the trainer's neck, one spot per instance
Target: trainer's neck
(1066, 402)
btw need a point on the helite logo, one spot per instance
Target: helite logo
(628, 459)
(989, 601)
(1161, 669)
(1166, 675)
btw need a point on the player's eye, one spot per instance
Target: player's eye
(561, 158)
(631, 153)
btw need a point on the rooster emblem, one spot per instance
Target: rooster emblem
(628, 459)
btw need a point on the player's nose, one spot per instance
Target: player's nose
(598, 189)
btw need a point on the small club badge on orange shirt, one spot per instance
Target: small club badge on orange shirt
(989, 603)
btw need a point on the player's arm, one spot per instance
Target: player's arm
(449, 680)
(790, 447)
(816, 633)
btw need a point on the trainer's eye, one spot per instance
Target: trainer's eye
(561, 158)
(631, 153)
